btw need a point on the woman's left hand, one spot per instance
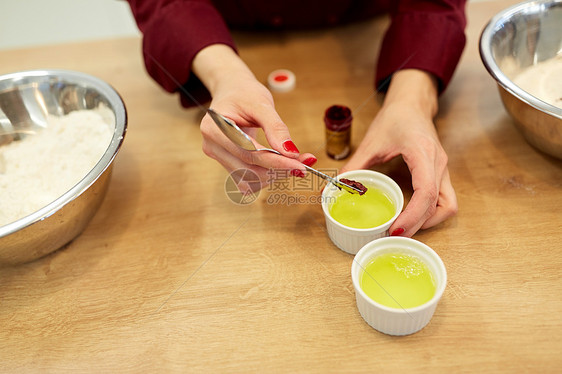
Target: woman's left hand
(404, 126)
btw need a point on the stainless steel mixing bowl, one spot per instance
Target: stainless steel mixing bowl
(25, 100)
(520, 36)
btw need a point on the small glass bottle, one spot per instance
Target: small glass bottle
(338, 131)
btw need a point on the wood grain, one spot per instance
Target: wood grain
(171, 276)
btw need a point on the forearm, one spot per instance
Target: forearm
(217, 65)
(424, 35)
(174, 32)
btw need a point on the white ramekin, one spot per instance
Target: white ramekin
(350, 239)
(394, 321)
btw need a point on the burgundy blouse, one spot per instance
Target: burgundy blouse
(426, 35)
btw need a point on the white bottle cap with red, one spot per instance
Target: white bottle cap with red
(281, 80)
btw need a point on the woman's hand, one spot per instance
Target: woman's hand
(404, 126)
(240, 97)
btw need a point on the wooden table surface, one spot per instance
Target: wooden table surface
(171, 276)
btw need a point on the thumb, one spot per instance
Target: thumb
(356, 162)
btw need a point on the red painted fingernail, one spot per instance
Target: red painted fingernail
(310, 161)
(289, 146)
(297, 173)
(399, 231)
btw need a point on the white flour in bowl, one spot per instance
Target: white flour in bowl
(543, 80)
(40, 168)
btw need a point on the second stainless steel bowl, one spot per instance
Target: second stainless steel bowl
(514, 39)
(30, 96)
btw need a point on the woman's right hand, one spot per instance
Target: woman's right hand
(238, 96)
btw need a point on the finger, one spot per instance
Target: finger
(276, 132)
(308, 159)
(238, 170)
(426, 181)
(267, 175)
(214, 141)
(214, 138)
(447, 205)
(356, 162)
(367, 154)
(413, 216)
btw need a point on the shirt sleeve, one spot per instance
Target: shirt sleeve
(425, 35)
(174, 31)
